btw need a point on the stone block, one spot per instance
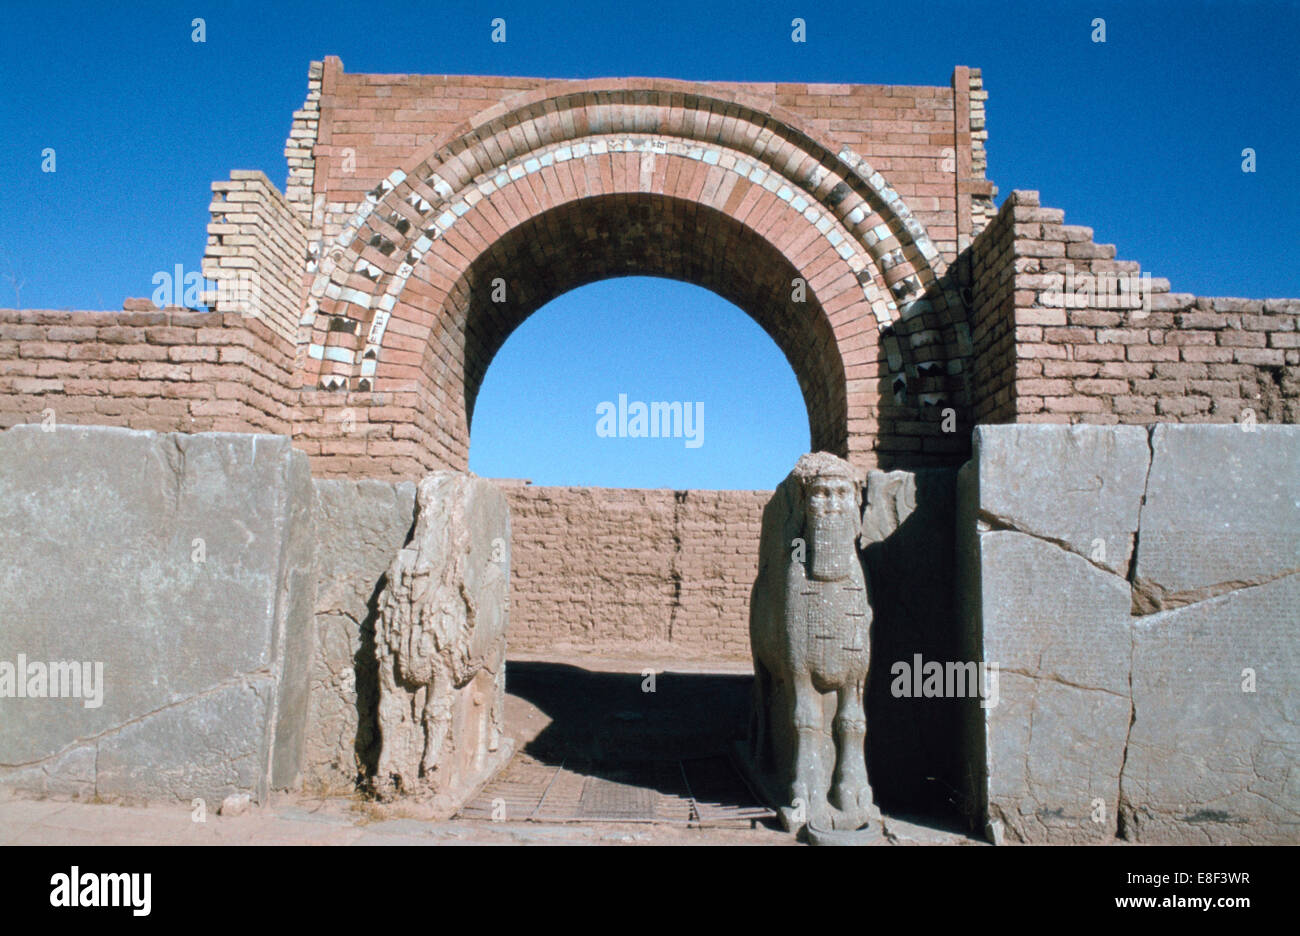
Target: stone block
(360, 528)
(177, 565)
(1214, 744)
(1113, 721)
(1057, 628)
(1079, 486)
(440, 644)
(1222, 511)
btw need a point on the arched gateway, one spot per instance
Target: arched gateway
(412, 288)
(425, 217)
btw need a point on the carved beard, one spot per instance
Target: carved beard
(831, 547)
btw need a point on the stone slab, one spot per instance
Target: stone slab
(1057, 627)
(1216, 732)
(1078, 485)
(1222, 510)
(1114, 721)
(360, 528)
(179, 563)
(440, 644)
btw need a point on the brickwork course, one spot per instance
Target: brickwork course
(426, 216)
(654, 573)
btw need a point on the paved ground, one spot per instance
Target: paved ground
(301, 821)
(593, 725)
(297, 821)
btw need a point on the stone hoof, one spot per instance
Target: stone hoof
(794, 815)
(804, 809)
(855, 800)
(792, 819)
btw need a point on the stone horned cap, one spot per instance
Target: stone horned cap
(825, 465)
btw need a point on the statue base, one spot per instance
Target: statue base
(770, 791)
(873, 833)
(463, 786)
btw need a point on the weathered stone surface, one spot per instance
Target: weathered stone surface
(360, 528)
(69, 773)
(810, 630)
(1209, 762)
(1080, 486)
(210, 746)
(1058, 629)
(440, 641)
(182, 564)
(236, 804)
(1222, 511)
(1112, 721)
(296, 580)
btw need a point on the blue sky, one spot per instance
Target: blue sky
(1140, 138)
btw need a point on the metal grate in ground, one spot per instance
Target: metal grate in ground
(695, 792)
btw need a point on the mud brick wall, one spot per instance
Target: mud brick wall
(1054, 345)
(993, 320)
(666, 573)
(257, 237)
(144, 368)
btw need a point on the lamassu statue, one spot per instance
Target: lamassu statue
(440, 643)
(809, 631)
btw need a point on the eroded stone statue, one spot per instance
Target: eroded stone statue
(809, 632)
(440, 641)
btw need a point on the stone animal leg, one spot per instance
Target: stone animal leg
(850, 790)
(809, 785)
(437, 718)
(396, 726)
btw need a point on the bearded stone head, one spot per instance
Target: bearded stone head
(831, 491)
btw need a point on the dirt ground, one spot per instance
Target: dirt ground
(593, 725)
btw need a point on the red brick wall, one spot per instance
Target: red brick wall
(664, 573)
(984, 337)
(1080, 354)
(167, 371)
(902, 130)
(993, 320)
(896, 172)
(256, 238)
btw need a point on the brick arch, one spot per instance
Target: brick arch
(750, 254)
(832, 218)
(597, 238)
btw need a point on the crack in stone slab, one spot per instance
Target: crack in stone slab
(1142, 502)
(1160, 601)
(1120, 829)
(243, 679)
(1059, 680)
(1000, 524)
(1135, 590)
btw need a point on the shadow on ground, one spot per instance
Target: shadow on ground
(606, 725)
